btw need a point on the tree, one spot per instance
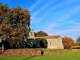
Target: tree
(14, 24)
(44, 43)
(67, 42)
(41, 34)
(78, 41)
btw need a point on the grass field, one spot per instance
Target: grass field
(66, 56)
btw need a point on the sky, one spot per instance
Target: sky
(55, 17)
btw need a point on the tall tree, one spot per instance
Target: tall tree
(14, 24)
(40, 34)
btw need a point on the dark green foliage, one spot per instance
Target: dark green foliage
(36, 43)
(30, 43)
(33, 43)
(44, 43)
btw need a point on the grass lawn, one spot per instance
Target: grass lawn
(66, 56)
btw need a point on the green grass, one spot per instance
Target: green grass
(66, 56)
(43, 49)
(49, 49)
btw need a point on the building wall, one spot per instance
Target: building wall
(31, 34)
(60, 44)
(55, 43)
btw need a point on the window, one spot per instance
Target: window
(50, 43)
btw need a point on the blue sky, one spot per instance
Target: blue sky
(56, 17)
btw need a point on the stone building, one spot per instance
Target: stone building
(54, 42)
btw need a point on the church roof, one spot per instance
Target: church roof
(49, 37)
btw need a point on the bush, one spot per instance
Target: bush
(37, 43)
(67, 42)
(44, 43)
(30, 43)
(33, 43)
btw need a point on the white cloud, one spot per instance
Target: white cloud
(72, 32)
(35, 4)
(50, 27)
(68, 31)
(65, 15)
(64, 3)
(75, 23)
(42, 8)
(38, 19)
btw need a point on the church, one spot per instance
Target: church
(54, 42)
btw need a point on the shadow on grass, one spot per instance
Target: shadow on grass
(29, 58)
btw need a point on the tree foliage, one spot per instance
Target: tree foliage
(36, 43)
(14, 23)
(67, 42)
(78, 41)
(44, 43)
(40, 34)
(32, 43)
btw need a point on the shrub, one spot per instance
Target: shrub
(33, 43)
(44, 43)
(67, 42)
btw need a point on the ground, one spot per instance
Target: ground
(65, 56)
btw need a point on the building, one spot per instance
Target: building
(54, 42)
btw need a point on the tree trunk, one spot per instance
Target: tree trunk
(2, 47)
